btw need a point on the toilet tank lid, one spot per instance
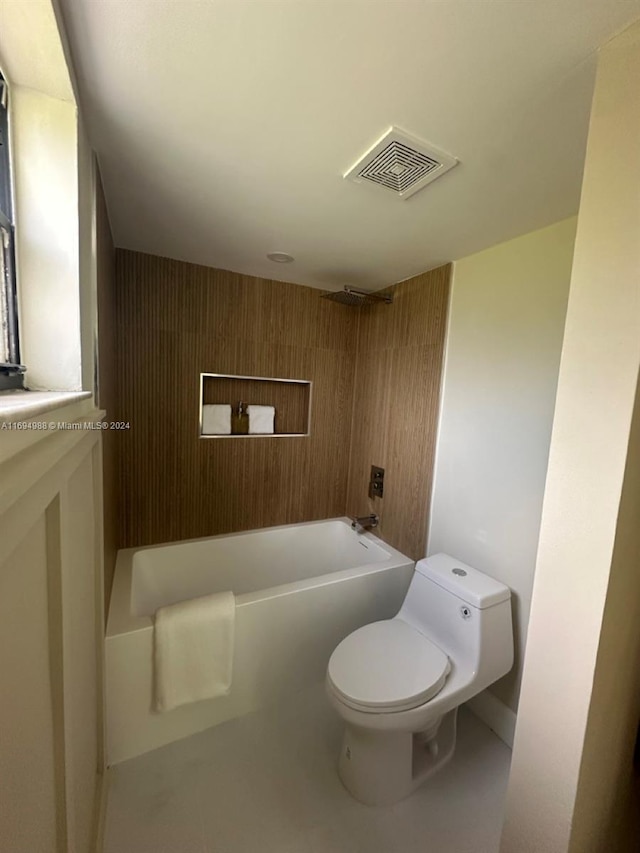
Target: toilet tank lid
(469, 584)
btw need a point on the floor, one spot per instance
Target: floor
(267, 783)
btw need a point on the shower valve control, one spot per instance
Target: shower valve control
(376, 482)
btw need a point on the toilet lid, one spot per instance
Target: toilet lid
(387, 666)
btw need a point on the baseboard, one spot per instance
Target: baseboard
(495, 714)
(101, 809)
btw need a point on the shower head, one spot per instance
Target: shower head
(350, 296)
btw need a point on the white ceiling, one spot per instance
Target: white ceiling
(30, 51)
(223, 127)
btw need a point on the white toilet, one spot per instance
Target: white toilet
(398, 683)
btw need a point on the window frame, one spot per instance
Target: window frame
(11, 371)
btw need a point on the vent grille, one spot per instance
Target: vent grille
(398, 167)
(401, 163)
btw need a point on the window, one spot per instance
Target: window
(11, 370)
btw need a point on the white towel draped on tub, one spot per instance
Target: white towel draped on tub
(261, 419)
(193, 650)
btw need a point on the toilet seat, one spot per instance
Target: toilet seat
(387, 666)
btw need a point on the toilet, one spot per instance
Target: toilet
(397, 684)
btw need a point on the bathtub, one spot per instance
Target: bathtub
(299, 589)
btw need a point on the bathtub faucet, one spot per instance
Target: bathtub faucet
(365, 522)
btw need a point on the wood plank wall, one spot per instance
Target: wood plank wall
(396, 406)
(376, 367)
(177, 320)
(107, 384)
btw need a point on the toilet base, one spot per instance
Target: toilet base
(381, 767)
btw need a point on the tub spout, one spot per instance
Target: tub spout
(364, 522)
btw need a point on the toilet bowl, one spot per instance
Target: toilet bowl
(398, 683)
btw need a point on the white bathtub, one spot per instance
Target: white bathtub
(299, 590)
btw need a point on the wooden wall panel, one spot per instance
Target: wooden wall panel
(376, 383)
(107, 384)
(396, 404)
(177, 320)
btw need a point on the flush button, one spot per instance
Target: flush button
(465, 612)
(460, 572)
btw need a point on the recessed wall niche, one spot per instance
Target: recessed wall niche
(290, 398)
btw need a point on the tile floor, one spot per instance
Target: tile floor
(267, 783)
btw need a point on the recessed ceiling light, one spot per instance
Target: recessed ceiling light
(280, 257)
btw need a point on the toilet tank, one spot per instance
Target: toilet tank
(470, 585)
(463, 611)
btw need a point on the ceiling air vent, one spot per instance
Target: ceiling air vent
(401, 163)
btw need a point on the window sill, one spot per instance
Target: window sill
(23, 405)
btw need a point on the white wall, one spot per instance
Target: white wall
(54, 192)
(44, 149)
(580, 701)
(607, 804)
(28, 778)
(51, 568)
(51, 630)
(506, 324)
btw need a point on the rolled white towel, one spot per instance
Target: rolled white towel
(216, 419)
(193, 650)
(261, 419)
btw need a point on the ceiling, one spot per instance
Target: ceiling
(30, 51)
(223, 127)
